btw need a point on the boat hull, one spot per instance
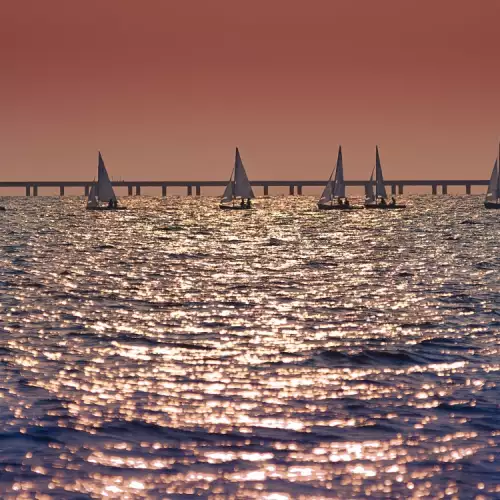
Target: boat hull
(384, 207)
(234, 207)
(337, 207)
(491, 205)
(106, 208)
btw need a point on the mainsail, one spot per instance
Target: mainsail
(242, 187)
(493, 193)
(339, 188)
(380, 188)
(104, 187)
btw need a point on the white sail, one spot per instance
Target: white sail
(335, 187)
(242, 187)
(380, 189)
(339, 186)
(104, 187)
(369, 193)
(494, 186)
(228, 194)
(92, 200)
(327, 194)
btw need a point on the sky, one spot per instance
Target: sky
(166, 88)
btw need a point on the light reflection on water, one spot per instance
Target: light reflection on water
(175, 349)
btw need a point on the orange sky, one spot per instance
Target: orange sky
(166, 89)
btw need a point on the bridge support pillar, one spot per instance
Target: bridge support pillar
(434, 189)
(266, 190)
(190, 190)
(138, 190)
(400, 189)
(164, 191)
(61, 190)
(445, 189)
(393, 189)
(468, 189)
(299, 189)
(198, 190)
(292, 190)
(86, 190)
(130, 190)
(35, 190)
(28, 190)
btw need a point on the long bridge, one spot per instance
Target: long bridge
(294, 186)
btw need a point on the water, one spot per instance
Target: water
(175, 350)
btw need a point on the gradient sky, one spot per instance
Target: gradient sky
(166, 89)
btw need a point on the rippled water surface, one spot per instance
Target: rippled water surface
(175, 350)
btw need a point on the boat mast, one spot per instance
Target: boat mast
(332, 185)
(232, 184)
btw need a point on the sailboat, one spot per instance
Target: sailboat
(102, 191)
(333, 196)
(492, 199)
(372, 196)
(237, 187)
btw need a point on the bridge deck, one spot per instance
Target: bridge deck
(397, 186)
(322, 182)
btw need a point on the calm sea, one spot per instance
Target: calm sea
(179, 351)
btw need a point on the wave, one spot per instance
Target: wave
(472, 221)
(371, 357)
(36, 434)
(423, 325)
(171, 228)
(446, 342)
(140, 430)
(387, 358)
(274, 242)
